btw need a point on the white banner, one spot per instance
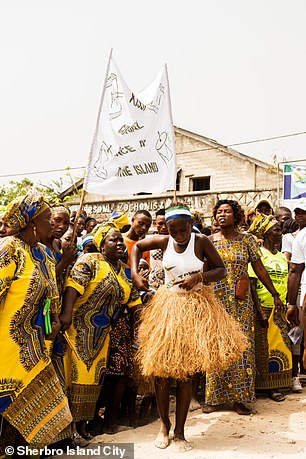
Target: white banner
(133, 148)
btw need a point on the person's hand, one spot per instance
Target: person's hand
(144, 273)
(65, 321)
(56, 326)
(69, 255)
(141, 283)
(292, 316)
(188, 282)
(264, 323)
(279, 305)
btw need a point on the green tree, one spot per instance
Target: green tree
(50, 191)
(8, 193)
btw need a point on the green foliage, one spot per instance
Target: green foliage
(7, 194)
(50, 191)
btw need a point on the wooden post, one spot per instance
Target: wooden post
(78, 213)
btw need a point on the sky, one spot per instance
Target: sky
(237, 73)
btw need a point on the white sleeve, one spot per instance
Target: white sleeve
(287, 242)
(298, 250)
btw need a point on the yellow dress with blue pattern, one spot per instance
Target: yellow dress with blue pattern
(101, 291)
(237, 383)
(31, 397)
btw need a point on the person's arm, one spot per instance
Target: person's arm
(69, 255)
(217, 270)
(205, 250)
(70, 297)
(294, 279)
(257, 306)
(80, 277)
(155, 242)
(264, 277)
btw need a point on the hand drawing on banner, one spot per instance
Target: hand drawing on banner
(163, 147)
(105, 153)
(154, 105)
(116, 107)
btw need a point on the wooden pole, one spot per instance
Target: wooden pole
(78, 213)
(174, 198)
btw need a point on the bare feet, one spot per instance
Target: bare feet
(194, 405)
(162, 440)
(182, 445)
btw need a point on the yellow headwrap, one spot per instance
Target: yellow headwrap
(116, 221)
(120, 219)
(23, 209)
(261, 224)
(101, 231)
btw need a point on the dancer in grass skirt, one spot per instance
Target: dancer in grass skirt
(183, 330)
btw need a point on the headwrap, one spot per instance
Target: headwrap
(261, 224)
(86, 239)
(24, 208)
(60, 208)
(119, 218)
(177, 212)
(101, 231)
(116, 221)
(196, 216)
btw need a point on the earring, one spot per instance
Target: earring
(34, 231)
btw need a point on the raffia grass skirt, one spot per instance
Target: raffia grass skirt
(181, 334)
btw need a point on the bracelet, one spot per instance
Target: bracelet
(291, 306)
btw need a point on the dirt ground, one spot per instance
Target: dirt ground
(277, 430)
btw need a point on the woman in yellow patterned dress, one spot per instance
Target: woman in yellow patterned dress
(32, 401)
(236, 385)
(97, 286)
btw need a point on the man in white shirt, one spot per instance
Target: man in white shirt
(297, 273)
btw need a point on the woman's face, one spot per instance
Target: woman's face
(5, 230)
(113, 245)
(274, 235)
(225, 216)
(180, 229)
(60, 222)
(43, 224)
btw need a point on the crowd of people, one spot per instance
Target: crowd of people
(101, 321)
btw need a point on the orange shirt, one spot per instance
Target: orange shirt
(129, 244)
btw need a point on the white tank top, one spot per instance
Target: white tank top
(178, 265)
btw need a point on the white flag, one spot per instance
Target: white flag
(133, 148)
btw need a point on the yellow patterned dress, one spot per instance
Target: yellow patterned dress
(101, 291)
(237, 384)
(31, 397)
